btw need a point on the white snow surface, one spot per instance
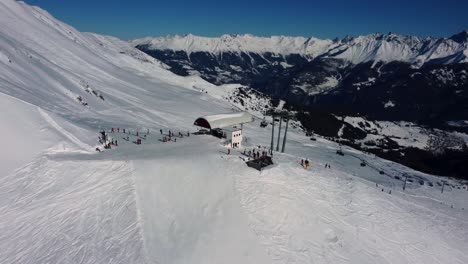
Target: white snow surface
(185, 201)
(389, 103)
(373, 47)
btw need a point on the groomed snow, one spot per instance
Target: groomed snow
(185, 201)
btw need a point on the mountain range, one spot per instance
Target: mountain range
(374, 47)
(381, 76)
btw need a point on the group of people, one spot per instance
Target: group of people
(170, 135)
(110, 143)
(107, 144)
(118, 130)
(327, 165)
(255, 154)
(305, 163)
(137, 133)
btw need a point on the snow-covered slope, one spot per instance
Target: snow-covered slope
(61, 201)
(373, 47)
(185, 201)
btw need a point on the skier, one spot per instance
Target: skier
(116, 142)
(160, 130)
(137, 134)
(112, 130)
(103, 134)
(188, 134)
(118, 130)
(229, 151)
(124, 130)
(147, 132)
(302, 162)
(175, 139)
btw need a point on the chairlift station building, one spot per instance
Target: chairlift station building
(226, 126)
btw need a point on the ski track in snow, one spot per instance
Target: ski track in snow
(63, 131)
(69, 217)
(184, 201)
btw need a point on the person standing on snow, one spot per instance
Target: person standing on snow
(229, 151)
(160, 130)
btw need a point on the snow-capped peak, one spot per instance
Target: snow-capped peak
(461, 37)
(282, 45)
(372, 47)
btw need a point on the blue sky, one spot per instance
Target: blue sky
(324, 19)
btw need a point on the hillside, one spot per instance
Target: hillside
(61, 201)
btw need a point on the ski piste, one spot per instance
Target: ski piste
(182, 202)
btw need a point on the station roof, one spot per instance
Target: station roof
(223, 120)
